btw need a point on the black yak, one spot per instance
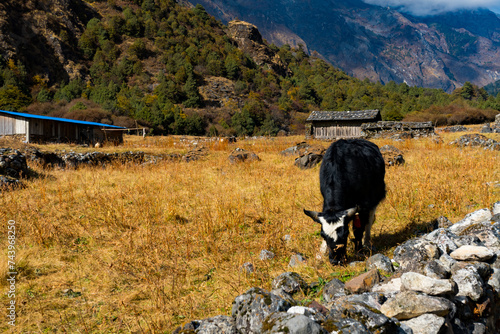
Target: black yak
(352, 184)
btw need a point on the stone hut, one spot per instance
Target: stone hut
(38, 128)
(339, 124)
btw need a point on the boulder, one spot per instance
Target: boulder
(426, 324)
(363, 282)
(251, 308)
(284, 322)
(333, 289)
(381, 262)
(410, 304)
(290, 282)
(430, 286)
(241, 155)
(392, 155)
(220, 324)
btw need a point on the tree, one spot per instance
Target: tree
(467, 91)
(13, 99)
(243, 123)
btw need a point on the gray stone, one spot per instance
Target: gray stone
(308, 160)
(266, 255)
(290, 282)
(421, 283)
(489, 238)
(435, 269)
(475, 217)
(447, 261)
(282, 322)
(494, 280)
(483, 269)
(444, 240)
(308, 312)
(414, 254)
(496, 208)
(469, 283)
(286, 296)
(469, 239)
(220, 324)
(241, 155)
(426, 324)
(333, 289)
(472, 253)
(248, 267)
(379, 261)
(389, 289)
(410, 304)
(251, 308)
(349, 326)
(365, 309)
(296, 260)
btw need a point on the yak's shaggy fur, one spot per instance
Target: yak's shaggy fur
(352, 183)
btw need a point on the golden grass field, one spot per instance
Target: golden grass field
(145, 248)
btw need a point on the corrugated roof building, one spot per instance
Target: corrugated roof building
(339, 124)
(38, 128)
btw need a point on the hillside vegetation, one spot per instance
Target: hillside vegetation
(144, 61)
(145, 248)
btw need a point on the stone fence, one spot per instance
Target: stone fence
(446, 281)
(408, 129)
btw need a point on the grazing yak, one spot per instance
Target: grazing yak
(352, 184)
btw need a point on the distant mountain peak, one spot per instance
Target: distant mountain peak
(380, 43)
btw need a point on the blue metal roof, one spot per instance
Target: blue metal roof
(59, 119)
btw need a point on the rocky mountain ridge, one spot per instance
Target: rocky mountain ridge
(380, 43)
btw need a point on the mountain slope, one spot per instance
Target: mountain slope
(380, 43)
(43, 35)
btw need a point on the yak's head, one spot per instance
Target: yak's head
(335, 230)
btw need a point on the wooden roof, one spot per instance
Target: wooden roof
(350, 115)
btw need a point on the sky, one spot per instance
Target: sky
(432, 7)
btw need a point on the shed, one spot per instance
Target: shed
(339, 124)
(38, 128)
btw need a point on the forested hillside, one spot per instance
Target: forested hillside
(148, 62)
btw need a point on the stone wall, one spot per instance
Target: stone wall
(404, 129)
(446, 281)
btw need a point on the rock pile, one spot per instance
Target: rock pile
(309, 155)
(455, 128)
(195, 154)
(241, 155)
(445, 281)
(13, 167)
(75, 160)
(392, 155)
(476, 140)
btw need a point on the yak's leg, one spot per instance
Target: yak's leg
(362, 225)
(358, 230)
(368, 228)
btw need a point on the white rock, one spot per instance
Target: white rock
(496, 208)
(307, 311)
(472, 253)
(410, 304)
(390, 288)
(494, 280)
(475, 217)
(470, 284)
(425, 324)
(421, 283)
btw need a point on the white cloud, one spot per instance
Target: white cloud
(432, 7)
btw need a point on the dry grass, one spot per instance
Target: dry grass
(146, 248)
